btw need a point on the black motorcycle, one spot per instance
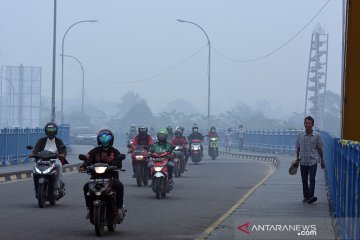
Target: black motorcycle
(102, 197)
(44, 174)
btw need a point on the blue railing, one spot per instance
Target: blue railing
(343, 178)
(13, 142)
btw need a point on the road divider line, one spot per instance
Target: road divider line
(209, 230)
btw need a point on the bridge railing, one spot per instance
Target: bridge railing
(343, 179)
(13, 142)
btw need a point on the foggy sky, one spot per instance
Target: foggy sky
(134, 40)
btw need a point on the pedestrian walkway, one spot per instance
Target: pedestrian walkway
(276, 211)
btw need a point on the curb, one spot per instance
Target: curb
(25, 174)
(265, 158)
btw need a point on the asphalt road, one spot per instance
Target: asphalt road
(199, 198)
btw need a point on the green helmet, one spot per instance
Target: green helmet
(162, 135)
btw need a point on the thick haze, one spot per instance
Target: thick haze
(136, 39)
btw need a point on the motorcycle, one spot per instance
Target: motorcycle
(196, 155)
(140, 160)
(179, 160)
(44, 174)
(159, 174)
(213, 147)
(102, 197)
(129, 143)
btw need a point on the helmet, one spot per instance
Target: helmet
(213, 129)
(195, 128)
(142, 129)
(178, 133)
(51, 130)
(133, 127)
(181, 128)
(240, 126)
(162, 135)
(169, 129)
(105, 138)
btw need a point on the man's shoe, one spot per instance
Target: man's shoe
(134, 176)
(305, 200)
(312, 199)
(119, 214)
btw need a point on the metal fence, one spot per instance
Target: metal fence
(343, 178)
(13, 142)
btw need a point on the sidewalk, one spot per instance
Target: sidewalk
(276, 211)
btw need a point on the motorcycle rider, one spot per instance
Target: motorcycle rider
(162, 145)
(170, 133)
(106, 153)
(180, 140)
(181, 128)
(132, 132)
(52, 143)
(212, 134)
(195, 135)
(144, 139)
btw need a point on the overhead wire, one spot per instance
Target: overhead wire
(278, 48)
(155, 75)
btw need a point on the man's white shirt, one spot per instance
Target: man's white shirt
(50, 145)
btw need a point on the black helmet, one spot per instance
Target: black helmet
(195, 128)
(169, 129)
(142, 129)
(133, 127)
(51, 130)
(178, 133)
(105, 138)
(212, 128)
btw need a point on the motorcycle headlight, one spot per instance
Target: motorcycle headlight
(100, 170)
(139, 157)
(212, 139)
(157, 169)
(47, 170)
(37, 170)
(97, 193)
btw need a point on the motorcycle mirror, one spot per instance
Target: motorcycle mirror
(29, 147)
(82, 157)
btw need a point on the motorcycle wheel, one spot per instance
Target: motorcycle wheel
(164, 188)
(138, 175)
(176, 169)
(179, 169)
(99, 224)
(42, 194)
(145, 175)
(157, 187)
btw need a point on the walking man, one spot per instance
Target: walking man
(309, 150)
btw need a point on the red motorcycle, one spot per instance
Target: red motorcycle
(140, 162)
(159, 174)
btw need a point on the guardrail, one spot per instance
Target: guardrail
(343, 178)
(13, 142)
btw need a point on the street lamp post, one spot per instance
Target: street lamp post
(83, 83)
(53, 67)
(185, 21)
(62, 66)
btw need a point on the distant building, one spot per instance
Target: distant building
(20, 96)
